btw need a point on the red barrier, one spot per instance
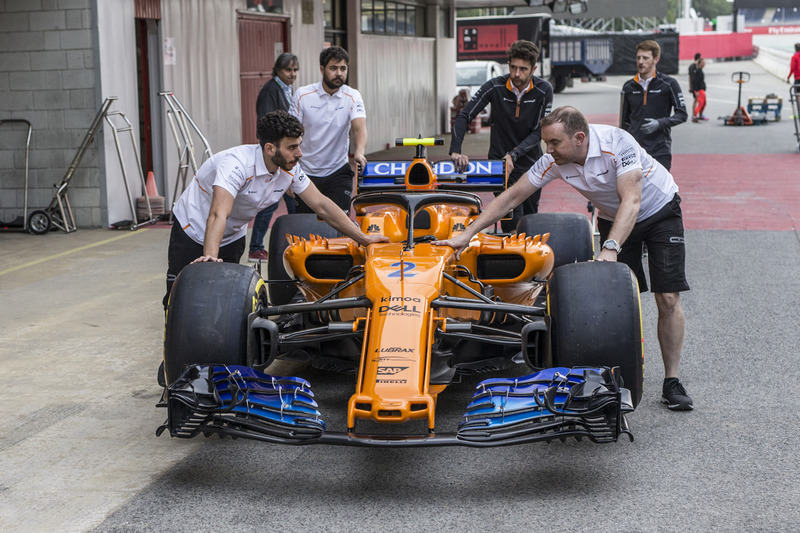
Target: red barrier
(716, 45)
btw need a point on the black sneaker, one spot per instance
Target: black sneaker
(675, 396)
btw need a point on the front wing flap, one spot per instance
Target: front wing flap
(554, 403)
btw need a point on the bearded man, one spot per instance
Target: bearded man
(212, 214)
(328, 110)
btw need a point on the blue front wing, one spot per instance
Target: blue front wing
(555, 403)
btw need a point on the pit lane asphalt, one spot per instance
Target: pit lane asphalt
(81, 337)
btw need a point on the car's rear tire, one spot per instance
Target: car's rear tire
(596, 320)
(207, 315)
(571, 236)
(301, 225)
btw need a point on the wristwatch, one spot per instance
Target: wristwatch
(611, 244)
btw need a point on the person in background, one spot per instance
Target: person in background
(275, 94)
(607, 166)
(692, 70)
(699, 85)
(519, 101)
(328, 110)
(794, 70)
(652, 103)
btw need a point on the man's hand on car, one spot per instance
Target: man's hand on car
(461, 162)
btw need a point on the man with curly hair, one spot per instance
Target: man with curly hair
(212, 214)
(519, 101)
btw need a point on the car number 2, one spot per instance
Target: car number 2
(406, 268)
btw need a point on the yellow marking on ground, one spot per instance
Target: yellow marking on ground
(62, 254)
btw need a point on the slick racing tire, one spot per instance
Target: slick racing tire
(596, 320)
(207, 315)
(570, 235)
(301, 225)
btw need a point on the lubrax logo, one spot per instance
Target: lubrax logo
(394, 349)
(390, 370)
(399, 299)
(373, 228)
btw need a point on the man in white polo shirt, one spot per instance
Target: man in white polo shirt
(327, 110)
(637, 201)
(212, 214)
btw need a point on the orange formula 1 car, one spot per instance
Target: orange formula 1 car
(408, 319)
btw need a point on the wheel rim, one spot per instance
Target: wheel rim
(39, 223)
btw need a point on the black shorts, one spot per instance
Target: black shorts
(666, 250)
(337, 186)
(183, 250)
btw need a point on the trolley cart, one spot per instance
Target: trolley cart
(59, 208)
(182, 127)
(122, 125)
(39, 221)
(794, 94)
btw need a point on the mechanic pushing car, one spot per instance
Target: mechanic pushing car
(232, 186)
(519, 101)
(606, 165)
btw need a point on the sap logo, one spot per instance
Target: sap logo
(373, 228)
(458, 226)
(390, 370)
(402, 309)
(399, 299)
(394, 349)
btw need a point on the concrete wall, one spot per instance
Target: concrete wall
(774, 61)
(48, 76)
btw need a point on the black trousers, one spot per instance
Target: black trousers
(337, 186)
(183, 250)
(529, 205)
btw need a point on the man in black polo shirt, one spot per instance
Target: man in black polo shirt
(648, 102)
(519, 101)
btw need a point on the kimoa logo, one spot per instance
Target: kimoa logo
(394, 349)
(399, 299)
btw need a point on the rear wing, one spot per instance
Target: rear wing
(482, 175)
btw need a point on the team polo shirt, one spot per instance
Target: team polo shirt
(612, 153)
(242, 172)
(326, 119)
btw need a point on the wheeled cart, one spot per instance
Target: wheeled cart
(39, 221)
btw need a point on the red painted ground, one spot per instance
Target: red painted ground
(727, 192)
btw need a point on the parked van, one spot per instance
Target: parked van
(472, 74)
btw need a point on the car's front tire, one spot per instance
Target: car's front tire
(207, 315)
(596, 320)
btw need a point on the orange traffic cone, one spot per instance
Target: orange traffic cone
(151, 185)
